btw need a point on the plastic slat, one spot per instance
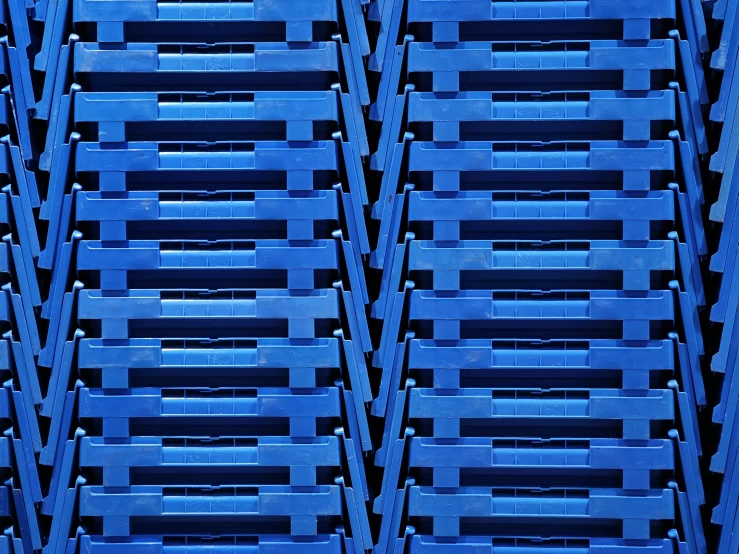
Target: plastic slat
(299, 106)
(152, 156)
(189, 255)
(137, 58)
(322, 544)
(149, 304)
(155, 353)
(487, 10)
(257, 10)
(150, 206)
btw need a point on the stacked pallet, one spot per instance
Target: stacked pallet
(540, 240)
(723, 162)
(340, 276)
(204, 234)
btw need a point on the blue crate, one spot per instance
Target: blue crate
(19, 361)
